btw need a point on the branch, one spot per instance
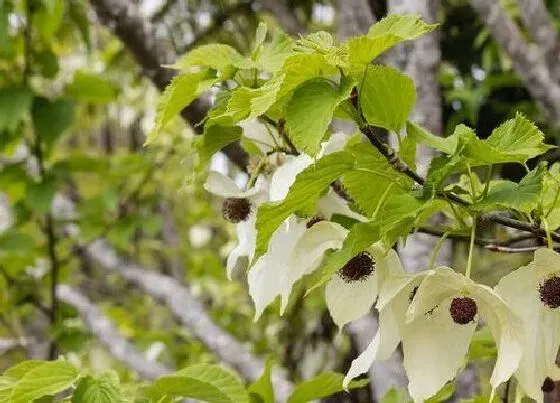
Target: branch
(539, 24)
(140, 38)
(401, 166)
(105, 331)
(526, 59)
(188, 311)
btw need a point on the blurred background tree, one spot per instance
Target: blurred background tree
(78, 85)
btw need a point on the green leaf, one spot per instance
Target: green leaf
(299, 68)
(46, 379)
(19, 370)
(180, 92)
(444, 394)
(396, 396)
(260, 35)
(323, 385)
(89, 87)
(204, 382)
(360, 237)
(16, 240)
(371, 177)
(302, 197)
(310, 112)
(40, 195)
(387, 97)
(215, 138)
(49, 18)
(416, 132)
(51, 118)
(104, 389)
(261, 391)
(246, 103)
(272, 55)
(215, 56)
(77, 11)
(14, 103)
(362, 50)
(519, 139)
(407, 27)
(523, 196)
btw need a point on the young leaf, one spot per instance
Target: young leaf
(448, 145)
(261, 391)
(215, 56)
(310, 112)
(182, 90)
(303, 195)
(104, 389)
(362, 50)
(387, 97)
(272, 55)
(321, 386)
(204, 382)
(46, 379)
(407, 27)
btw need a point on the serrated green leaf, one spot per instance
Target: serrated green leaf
(371, 177)
(407, 27)
(19, 370)
(519, 139)
(299, 68)
(363, 50)
(246, 103)
(396, 396)
(416, 132)
(272, 55)
(89, 87)
(262, 391)
(387, 97)
(302, 197)
(523, 196)
(14, 103)
(323, 385)
(51, 118)
(46, 379)
(215, 138)
(215, 56)
(320, 41)
(310, 111)
(180, 92)
(260, 35)
(104, 389)
(204, 382)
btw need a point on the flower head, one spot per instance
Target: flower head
(435, 323)
(533, 293)
(239, 207)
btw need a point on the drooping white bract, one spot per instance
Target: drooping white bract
(432, 335)
(225, 187)
(533, 291)
(297, 248)
(416, 309)
(349, 299)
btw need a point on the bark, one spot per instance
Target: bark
(189, 312)
(104, 330)
(151, 52)
(541, 27)
(353, 17)
(527, 60)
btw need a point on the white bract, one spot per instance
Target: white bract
(535, 300)
(225, 187)
(422, 319)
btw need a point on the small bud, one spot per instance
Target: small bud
(314, 220)
(236, 209)
(550, 292)
(463, 310)
(358, 268)
(548, 385)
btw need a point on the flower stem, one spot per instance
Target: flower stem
(548, 237)
(436, 250)
(471, 248)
